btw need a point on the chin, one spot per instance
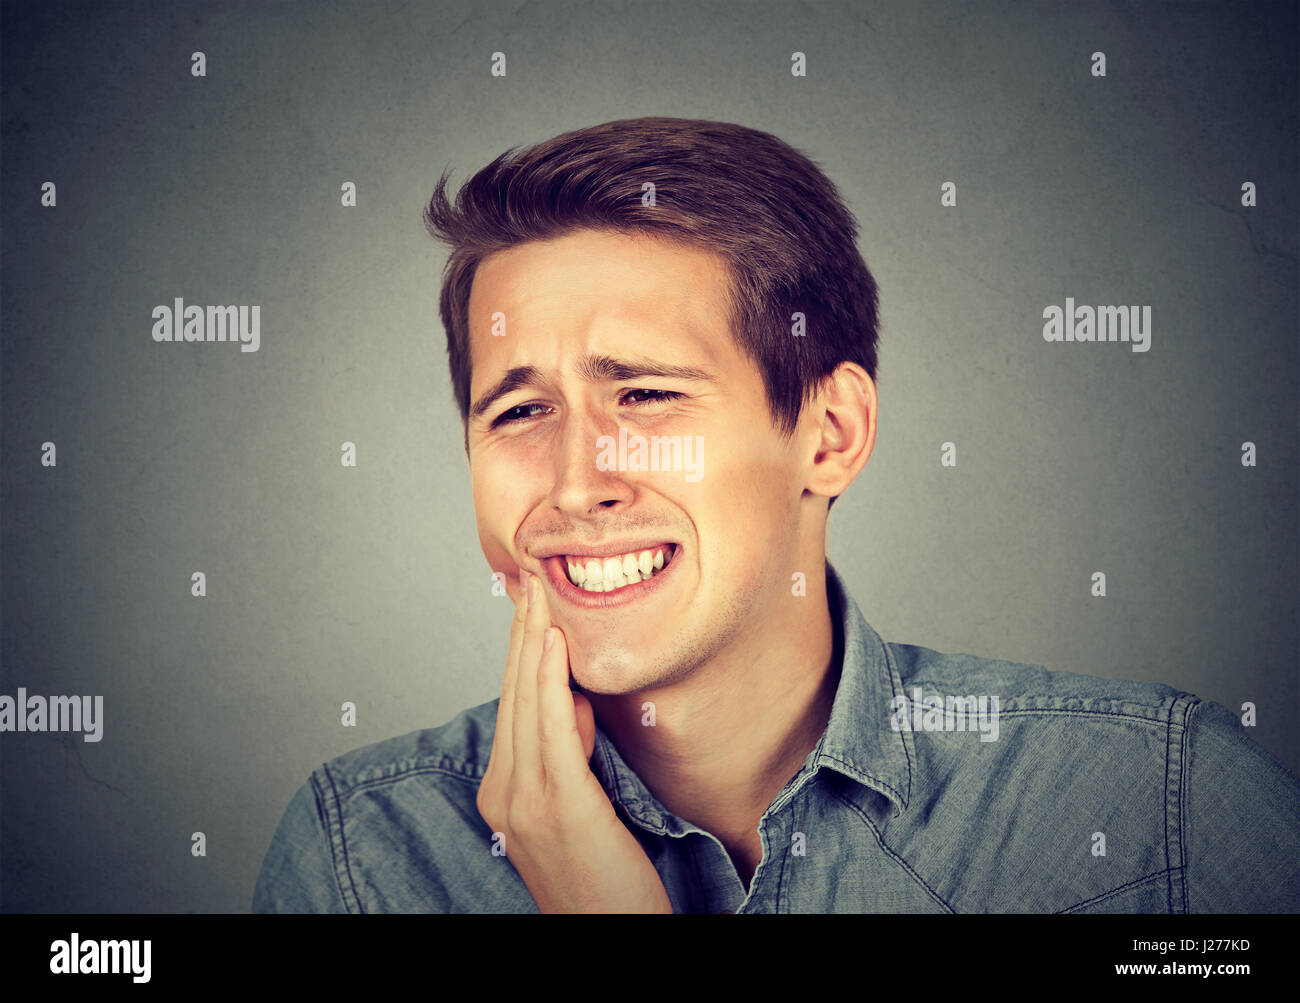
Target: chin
(611, 672)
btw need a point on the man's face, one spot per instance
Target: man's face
(550, 492)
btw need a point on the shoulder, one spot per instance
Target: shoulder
(454, 753)
(1027, 687)
(1096, 792)
(1152, 716)
(392, 827)
(1044, 733)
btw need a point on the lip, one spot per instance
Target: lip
(628, 548)
(574, 596)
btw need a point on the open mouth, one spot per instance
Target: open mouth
(609, 574)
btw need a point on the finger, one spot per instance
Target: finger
(586, 724)
(559, 706)
(527, 760)
(559, 742)
(502, 738)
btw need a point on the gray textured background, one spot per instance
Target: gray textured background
(328, 584)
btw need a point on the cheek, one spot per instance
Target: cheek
(500, 505)
(497, 552)
(749, 499)
(499, 560)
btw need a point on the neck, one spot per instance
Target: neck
(728, 737)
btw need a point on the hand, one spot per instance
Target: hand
(561, 833)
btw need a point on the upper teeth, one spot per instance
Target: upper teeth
(605, 574)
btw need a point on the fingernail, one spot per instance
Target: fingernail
(523, 583)
(548, 638)
(532, 589)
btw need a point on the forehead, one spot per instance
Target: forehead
(585, 290)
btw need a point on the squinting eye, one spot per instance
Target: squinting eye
(505, 418)
(513, 415)
(663, 395)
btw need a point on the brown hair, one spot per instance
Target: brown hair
(788, 239)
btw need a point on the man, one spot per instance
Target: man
(662, 342)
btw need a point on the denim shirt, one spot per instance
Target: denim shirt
(1089, 795)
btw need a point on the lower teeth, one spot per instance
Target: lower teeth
(607, 587)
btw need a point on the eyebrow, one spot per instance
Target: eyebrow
(593, 369)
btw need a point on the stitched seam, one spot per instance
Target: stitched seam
(1175, 783)
(1150, 878)
(696, 847)
(907, 755)
(343, 844)
(1182, 802)
(859, 774)
(780, 875)
(322, 817)
(785, 856)
(1185, 767)
(1169, 884)
(897, 859)
(396, 768)
(379, 781)
(777, 809)
(1060, 711)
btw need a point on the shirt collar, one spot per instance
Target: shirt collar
(858, 741)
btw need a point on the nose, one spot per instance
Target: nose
(581, 488)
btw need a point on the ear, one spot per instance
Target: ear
(843, 432)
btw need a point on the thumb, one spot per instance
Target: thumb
(586, 723)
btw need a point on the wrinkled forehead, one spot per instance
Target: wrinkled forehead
(545, 303)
